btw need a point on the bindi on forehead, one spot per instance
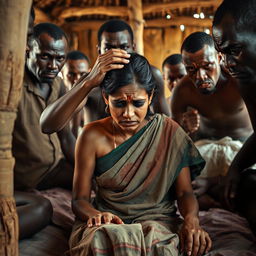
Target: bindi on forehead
(129, 98)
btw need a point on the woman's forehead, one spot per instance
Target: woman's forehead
(130, 91)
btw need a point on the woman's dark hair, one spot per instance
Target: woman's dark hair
(137, 71)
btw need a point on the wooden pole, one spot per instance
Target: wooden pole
(137, 23)
(13, 31)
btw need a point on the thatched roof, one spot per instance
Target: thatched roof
(156, 13)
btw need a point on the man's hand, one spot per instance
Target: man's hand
(112, 59)
(191, 121)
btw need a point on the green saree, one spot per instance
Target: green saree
(137, 187)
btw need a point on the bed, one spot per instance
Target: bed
(230, 232)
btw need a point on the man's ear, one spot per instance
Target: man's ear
(220, 57)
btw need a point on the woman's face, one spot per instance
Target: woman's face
(128, 107)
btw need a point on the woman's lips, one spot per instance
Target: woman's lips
(128, 123)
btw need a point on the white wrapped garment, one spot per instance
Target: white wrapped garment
(218, 155)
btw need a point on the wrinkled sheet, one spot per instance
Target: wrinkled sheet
(230, 233)
(218, 155)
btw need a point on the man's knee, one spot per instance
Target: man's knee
(43, 207)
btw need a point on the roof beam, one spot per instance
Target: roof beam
(157, 23)
(148, 8)
(177, 21)
(122, 11)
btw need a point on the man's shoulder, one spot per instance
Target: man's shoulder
(183, 89)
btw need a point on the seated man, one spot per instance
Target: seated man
(173, 70)
(77, 64)
(115, 42)
(39, 158)
(34, 211)
(206, 102)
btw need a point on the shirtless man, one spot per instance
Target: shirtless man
(115, 42)
(207, 103)
(173, 70)
(77, 64)
(234, 35)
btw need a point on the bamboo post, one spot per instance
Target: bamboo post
(13, 31)
(137, 23)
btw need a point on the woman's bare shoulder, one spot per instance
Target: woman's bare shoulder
(95, 130)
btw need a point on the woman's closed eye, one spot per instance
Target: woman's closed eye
(138, 103)
(123, 103)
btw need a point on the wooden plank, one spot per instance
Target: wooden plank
(13, 34)
(149, 8)
(98, 10)
(177, 21)
(157, 23)
(122, 11)
(137, 23)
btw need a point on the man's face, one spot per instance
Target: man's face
(47, 57)
(238, 47)
(203, 68)
(173, 73)
(73, 70)
(119, 40)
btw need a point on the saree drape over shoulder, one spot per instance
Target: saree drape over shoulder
(138, 189)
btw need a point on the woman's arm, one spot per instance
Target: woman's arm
(85, 154)
(194, 240)
(85, 157)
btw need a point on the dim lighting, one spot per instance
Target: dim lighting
(202, 15)
(196, 16)
(182, 27)
(168, 16)
(207, 31)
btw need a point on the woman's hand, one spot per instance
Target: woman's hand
(103, 218)
(193, 239)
